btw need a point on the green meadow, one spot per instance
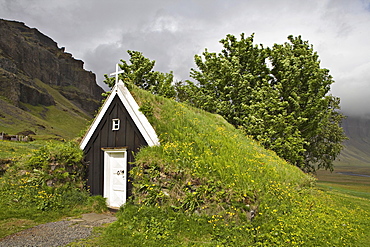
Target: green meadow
(209, 185)
(11, 149)
(350, 180)
(205, 185)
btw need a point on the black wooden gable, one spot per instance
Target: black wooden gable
(128, 135)
(134, 131)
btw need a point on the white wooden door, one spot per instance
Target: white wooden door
(115, 177)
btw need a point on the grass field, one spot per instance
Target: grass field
(207, 185)
(204, 166)
(12, 149)
(27, 199)
(352, 190)
(353, 180)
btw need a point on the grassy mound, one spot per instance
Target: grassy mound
(207, 184)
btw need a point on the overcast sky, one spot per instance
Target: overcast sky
(171, 32)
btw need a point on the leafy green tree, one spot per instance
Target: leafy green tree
(305, 87)
(279, 96)
(140, 72)
(226, 81)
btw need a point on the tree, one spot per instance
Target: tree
(277, 95)
(305, 86)
(140, 73)
(226, 80)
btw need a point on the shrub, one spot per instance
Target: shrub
(49, 178)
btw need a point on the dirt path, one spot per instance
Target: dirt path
(58, 233)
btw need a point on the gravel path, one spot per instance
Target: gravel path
(58, 233)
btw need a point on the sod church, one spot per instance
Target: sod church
(116, 134)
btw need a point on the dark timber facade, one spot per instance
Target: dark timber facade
(127, 136)
(118, 126)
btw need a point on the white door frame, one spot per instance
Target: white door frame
(109, 174)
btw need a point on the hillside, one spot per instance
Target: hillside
(42, 88)
(352, 167)
(357, 147)
(351, 173)
(207, 184)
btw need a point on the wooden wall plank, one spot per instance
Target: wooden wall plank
(128, 135)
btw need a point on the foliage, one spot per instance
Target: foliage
(304, 86)
(277, 95)
(58, 164)
(140, 73)
(49, 178)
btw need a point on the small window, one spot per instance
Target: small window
(115, 124)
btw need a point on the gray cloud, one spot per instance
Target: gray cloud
(171, 32)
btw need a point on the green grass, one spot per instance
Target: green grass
(358, 202)
(350, 191)
(200, 186)
(209, 185)
(13, 220)
(340, 179)
(61, 100)
(44, 185)
(61, 121)
(12, 149)
(356, 191)
(58, 122)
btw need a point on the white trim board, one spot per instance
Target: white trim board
(142, 123)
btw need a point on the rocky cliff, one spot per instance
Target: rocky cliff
(28, 56)
(43, 89)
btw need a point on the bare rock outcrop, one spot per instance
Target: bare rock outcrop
(28, 56)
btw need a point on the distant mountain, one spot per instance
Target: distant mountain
(357, 147)
(42, 88)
